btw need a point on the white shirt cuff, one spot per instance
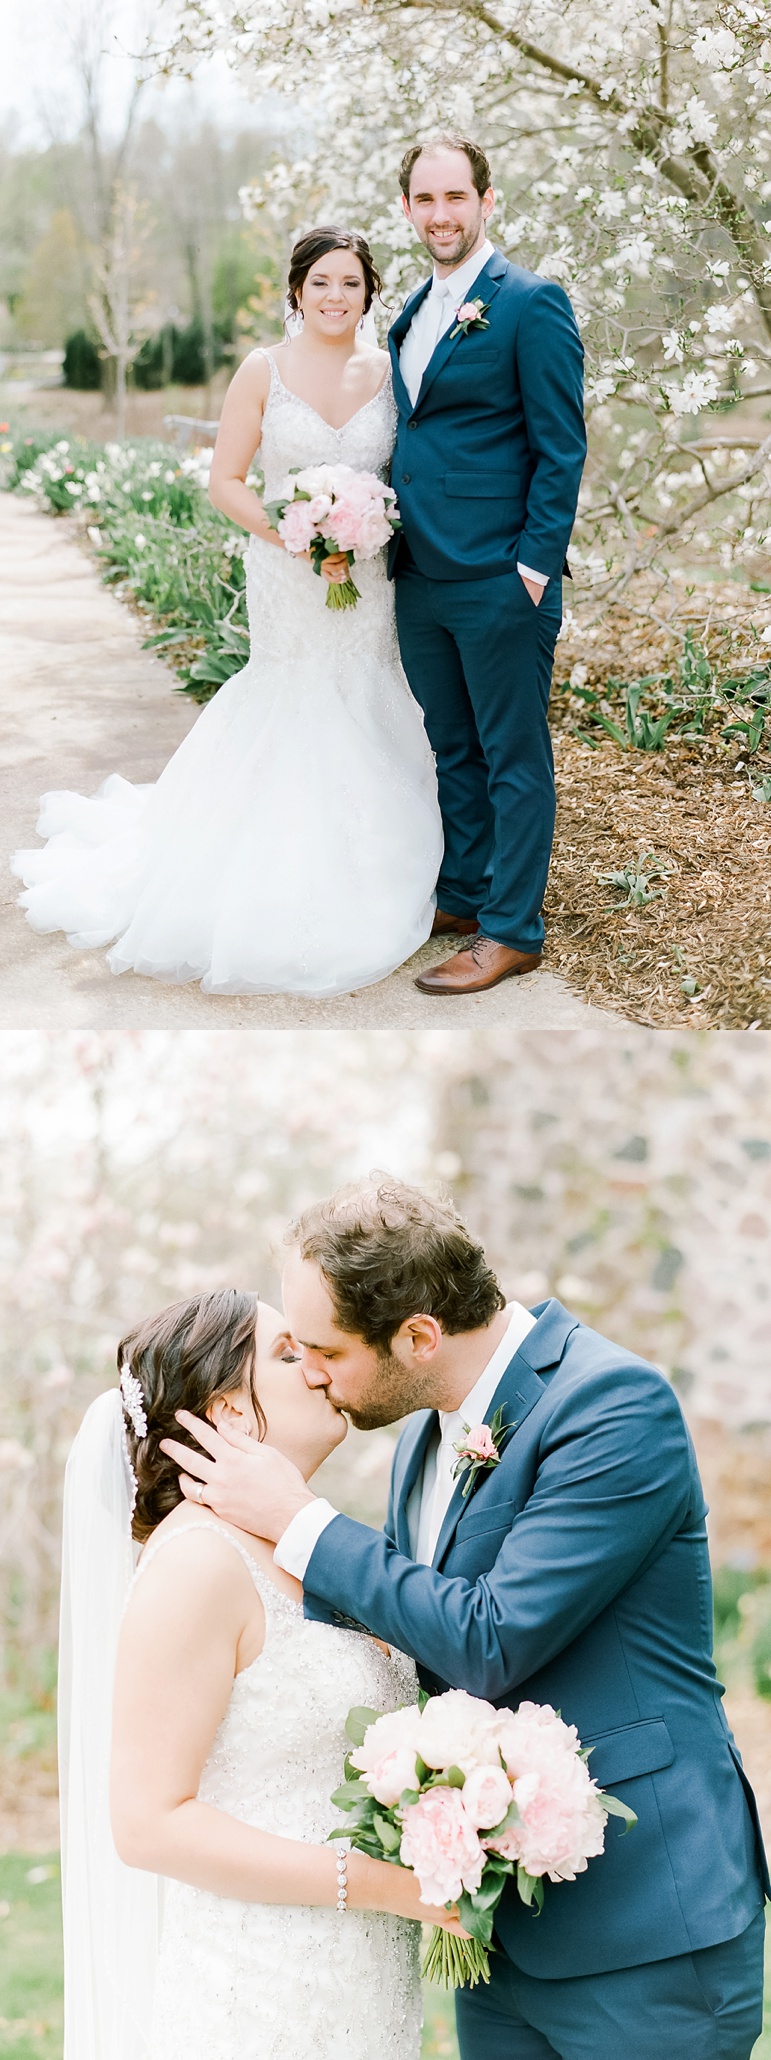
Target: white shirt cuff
(301, 1537)
(541, 578)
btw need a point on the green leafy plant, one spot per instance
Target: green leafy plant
(634, 880)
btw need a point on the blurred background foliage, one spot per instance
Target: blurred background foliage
(630, 1175)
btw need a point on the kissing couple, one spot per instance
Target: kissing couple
(380, 773)
(571, 1572)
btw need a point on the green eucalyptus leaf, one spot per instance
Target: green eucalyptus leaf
(357, 1724)
(348, 1796)
(388, 1834)
(476, 1920)
(618, 1809)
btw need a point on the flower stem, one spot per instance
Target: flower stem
(342, 594)
(455, 1962)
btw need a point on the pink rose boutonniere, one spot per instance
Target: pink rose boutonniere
(479, 1449)
(470, 316)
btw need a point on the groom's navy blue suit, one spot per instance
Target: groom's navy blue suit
(487, 468)
(577, 1573)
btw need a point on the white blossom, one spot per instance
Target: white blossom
(611, 204)
(696, 392)
(716, 47)
(673, 348)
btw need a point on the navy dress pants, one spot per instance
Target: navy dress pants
(478, 655)
(698, 2006)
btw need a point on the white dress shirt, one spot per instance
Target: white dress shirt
(436, 314)
(433, 1491)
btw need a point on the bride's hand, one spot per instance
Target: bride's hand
(378, 1885)
(336, 568)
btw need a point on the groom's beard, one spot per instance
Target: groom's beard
(454, 254)
(395, 1392)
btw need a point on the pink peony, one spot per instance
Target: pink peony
(442, 1847)
(562, 1820)
(387, 1757)
(319, 506)
(297, 526)
(533, 1736)
(469, 312)
(479, 1443)
(486, 1796)
(459, 1730)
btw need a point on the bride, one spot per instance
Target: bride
(293, 841)
(227, 1929)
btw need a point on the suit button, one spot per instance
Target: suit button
(412, 425)
(406, 477)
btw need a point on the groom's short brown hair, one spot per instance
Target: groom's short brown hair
(388, 1251)
(480, 164)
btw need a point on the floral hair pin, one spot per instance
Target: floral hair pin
(470, 316)
(133, 1401)
(479, 1449)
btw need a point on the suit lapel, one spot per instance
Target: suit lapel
(396, 336)
(410, 1457)
(484, 288)
(517, 1393)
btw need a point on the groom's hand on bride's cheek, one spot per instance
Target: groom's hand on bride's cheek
(252, 1486)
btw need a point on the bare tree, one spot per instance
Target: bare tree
(117, 306)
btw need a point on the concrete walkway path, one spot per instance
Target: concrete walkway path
(79, 698)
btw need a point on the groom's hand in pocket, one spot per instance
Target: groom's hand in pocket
(535, 590)
(252, 1486)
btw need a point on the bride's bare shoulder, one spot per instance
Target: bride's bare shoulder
(253, 375)
(206, 1541)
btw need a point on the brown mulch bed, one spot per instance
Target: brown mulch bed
(686, 807)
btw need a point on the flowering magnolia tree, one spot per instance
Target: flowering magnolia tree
(631, 148)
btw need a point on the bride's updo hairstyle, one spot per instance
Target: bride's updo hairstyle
(314, 245)
(181, 1359)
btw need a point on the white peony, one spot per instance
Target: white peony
(458, 1730)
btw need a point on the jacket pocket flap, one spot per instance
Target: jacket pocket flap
(622, 1755)
(486, 1516)
(479, 486)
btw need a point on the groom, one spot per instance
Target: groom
(487, 370)
(576, 1573)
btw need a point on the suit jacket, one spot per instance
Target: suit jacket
(577, 1573)
(488, 463)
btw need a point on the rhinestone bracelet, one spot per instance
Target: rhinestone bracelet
(342, 1875)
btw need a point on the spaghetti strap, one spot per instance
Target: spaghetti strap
(267, 1590)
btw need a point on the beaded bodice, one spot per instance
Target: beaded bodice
(279, 1750)
(294, 435)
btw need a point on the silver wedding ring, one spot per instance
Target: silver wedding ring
(199, 1492)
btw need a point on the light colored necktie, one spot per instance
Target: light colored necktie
(443, 1485)
(439, 298)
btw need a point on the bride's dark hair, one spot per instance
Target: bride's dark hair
(181, 1359)
(315, 244)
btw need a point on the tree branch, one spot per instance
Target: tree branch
(695, 175)
(712, 492)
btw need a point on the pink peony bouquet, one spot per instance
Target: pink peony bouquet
(467, 1795)
(331, 508)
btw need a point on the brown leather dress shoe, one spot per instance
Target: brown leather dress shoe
(445, 925)
(481, 965)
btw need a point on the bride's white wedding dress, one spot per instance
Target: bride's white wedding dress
(255, 1981)
(293, 841)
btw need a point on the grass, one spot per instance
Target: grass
(30, 1958)
(31, 1971)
